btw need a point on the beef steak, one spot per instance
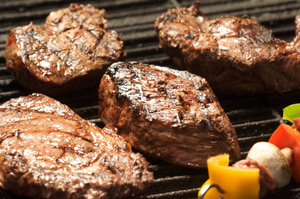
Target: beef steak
(48, 151)
(235, 55)
(72, 52)
(165, 113)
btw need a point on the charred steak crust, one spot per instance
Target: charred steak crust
(72, 52)
(48, 151)
(235, 55)
(167, 114)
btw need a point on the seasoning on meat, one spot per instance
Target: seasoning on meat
(165, 113)
(48, 151)
(72, 52)
(235, 55)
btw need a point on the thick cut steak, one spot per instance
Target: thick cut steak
(168, 114)
(235, 55)
(48, 151)
(72, 52)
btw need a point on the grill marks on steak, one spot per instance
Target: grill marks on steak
(89, 18)
(48, 151)
(235, 55)
(72, 52)
(86, 27)
(168, 114)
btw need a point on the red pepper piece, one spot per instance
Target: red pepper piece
(286, 136)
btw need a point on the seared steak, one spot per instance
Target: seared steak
(235, 55)
(48, 151)
(72, 52)
(168, 114)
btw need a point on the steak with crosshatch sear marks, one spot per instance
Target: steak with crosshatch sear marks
(48, 151)
(72, 52)
(235, 55)
(165, 113)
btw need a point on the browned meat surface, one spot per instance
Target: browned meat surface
(235, 55)
(72, 52)
(48, 151)
(167, 114)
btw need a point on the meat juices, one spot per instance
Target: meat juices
(167, 114)
(48, 151)
(235, 55)
(72, 52)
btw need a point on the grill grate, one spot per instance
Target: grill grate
(254, 117)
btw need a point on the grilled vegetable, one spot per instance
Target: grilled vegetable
(244, 182)
(280, 158)
(291, 112)
(286, 136)
(270, 156)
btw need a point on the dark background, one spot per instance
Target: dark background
(254, 117)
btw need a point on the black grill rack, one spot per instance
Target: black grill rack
(254, 117)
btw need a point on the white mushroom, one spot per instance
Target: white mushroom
(270, 156)
(288, 154)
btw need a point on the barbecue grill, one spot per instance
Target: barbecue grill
(254, 117)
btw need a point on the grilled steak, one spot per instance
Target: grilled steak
(72, 52)
(168, 114)
(235, 55)
(48, 151)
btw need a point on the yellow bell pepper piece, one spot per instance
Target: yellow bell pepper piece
(238, 183)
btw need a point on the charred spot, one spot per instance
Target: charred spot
(180, 116)
(170, 16)
(120, 97)
(148, 96)
(113, 69)
(210, 99)
(183, 103)
(160, 82)
(136, 73)
(189, 36)
(205, 123)
(181, 100)
(161, 89)
(257, 40)
(198, 85)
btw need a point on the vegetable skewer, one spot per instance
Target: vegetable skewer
(271, 164)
